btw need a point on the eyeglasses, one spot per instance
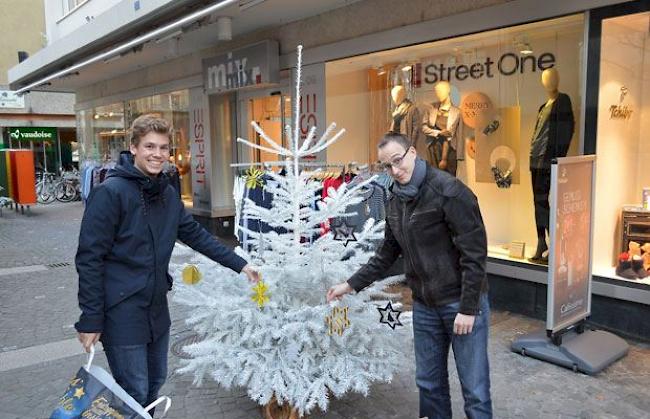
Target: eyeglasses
(395, 163)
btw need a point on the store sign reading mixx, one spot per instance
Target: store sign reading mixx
(254, 65)
(507, 65)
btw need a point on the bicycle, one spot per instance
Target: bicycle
(45, 184)
(68, 187)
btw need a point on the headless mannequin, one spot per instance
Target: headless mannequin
(551, 139)
(441, 124)
(443, 93)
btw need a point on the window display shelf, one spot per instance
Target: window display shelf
(610, 272)
(502, 252)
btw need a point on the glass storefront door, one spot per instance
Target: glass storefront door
(272, 112)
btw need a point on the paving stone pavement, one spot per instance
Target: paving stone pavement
(39, 307)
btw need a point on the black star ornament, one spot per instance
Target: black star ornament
(390, 316)
(344, 232)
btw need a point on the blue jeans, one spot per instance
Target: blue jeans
(140, 369)
(433, 334)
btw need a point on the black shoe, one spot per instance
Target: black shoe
(542, 260)
(625, 270)
(637, 267)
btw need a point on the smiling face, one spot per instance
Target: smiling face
(150, 153)
(400, 159)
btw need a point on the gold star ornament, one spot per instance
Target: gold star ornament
(260, 295)
(254, 178)
(191, 275)
(79, 393)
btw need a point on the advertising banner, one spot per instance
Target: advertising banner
(10, 100)
(569, 273)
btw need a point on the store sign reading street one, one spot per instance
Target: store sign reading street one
(507, 65)
(32, 134)
(255, 65)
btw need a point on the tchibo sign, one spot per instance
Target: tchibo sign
(255, 65)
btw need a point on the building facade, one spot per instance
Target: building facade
(214, 68)
(41, 121)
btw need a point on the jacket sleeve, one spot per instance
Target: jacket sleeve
(98, 227)
(463, 218)
(191, 233)
(565, 125)
(377, 266)
(427, 128)
(459, 136)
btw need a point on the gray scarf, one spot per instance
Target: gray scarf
(410, 190)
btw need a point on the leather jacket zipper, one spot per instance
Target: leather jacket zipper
(408, 250)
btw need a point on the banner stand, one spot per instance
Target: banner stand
(567, 341)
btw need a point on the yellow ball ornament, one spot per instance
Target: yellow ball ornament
(191, 275)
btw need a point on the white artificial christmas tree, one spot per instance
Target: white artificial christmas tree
(277, 340)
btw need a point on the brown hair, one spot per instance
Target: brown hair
(147, 123)
(392, 137)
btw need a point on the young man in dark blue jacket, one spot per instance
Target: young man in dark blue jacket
(130, 225)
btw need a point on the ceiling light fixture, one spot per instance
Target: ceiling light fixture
(407, 67)
(525, 49)
(107, 55)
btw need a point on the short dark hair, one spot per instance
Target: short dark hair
(393, 137)
(147, 123)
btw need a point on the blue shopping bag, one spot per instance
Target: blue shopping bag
(94, 394)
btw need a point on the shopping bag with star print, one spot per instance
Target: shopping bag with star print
(94, 394)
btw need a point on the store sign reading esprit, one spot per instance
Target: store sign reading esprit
(507, 65)
(255, 65)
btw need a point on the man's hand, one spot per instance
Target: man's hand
(443, 164)
(338, 291)
(252, 273)
(445, 133)
(463, 324)
(88, 339)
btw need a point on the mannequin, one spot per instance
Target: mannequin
(443, 126)
(406, 118)
(551, 139)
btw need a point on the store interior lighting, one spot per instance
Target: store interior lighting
(407, 67)
(380, 69)
(525, 49)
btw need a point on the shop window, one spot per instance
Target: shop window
(101, 134)
(487, 94)
(174, 108)
(622, 227)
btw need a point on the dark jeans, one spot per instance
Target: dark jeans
(541, 183)
(433, 334)
(140, 369)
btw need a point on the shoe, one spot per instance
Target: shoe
(542, 260)
(637, 267)
(625, 270)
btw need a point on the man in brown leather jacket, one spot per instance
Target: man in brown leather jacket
(434, 221)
